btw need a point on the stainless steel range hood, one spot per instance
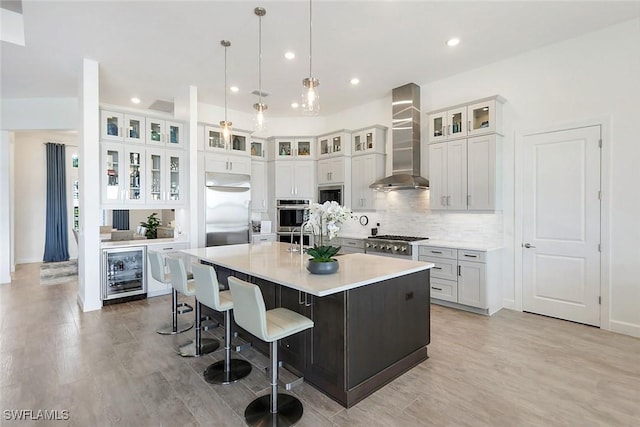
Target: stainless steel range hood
(405, 136)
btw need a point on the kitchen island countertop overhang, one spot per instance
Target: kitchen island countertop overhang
(272, 261)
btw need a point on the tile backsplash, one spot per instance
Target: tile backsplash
(407, 213)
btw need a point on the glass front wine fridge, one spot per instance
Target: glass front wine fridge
(124, 272)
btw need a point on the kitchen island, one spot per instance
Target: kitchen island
(371, 318)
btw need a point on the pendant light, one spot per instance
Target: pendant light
(260, 107)
(225, 125)
(310, 97)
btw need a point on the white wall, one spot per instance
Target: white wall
(6, 233)
(39, 113)
(591, 77)
(31, 193)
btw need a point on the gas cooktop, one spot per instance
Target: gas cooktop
(398, 238)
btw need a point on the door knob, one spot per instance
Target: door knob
(527, 245)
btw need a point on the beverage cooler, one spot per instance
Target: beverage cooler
(124, 272)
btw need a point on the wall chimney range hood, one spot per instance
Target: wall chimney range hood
(405, 142)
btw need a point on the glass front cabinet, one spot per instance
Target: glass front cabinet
(370, 140)
(289, 148)
(240, 142)
(112, 172)
(165, 177)
(116, 126)
(477, 118)
(165, 132)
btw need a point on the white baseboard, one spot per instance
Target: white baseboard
(158, 293)
(625, 328)
(28, 260)
(509, 304)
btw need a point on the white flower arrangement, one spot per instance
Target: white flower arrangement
(327, 218)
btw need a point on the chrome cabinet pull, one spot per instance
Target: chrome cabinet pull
(471, 256)
(442, 200)
(528, 246)
(448, 200)
(436, 252)
(459, 270)
(437, 289)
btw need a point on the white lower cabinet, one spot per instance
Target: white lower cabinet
(155, 288)
(270, 237)
(351, 246)
(470, 279)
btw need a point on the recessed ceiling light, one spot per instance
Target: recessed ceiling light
(355, 81)
(289, 55)
(453, 42)
(234, 89)
(294, 105)
(135, 100)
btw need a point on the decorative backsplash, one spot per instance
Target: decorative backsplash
(407, 213)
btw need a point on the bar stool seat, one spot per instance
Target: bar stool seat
(175, 326)
(208, 293)
(275, 409)
(179, 281)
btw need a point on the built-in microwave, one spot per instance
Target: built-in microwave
(291, 214)
(330, 193)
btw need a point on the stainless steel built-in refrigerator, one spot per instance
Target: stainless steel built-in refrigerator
(228, 208)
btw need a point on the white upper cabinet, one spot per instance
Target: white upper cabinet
(165, 178)
(331, 171)
(365, 170)
(476, 118)
(334, 144)
(295, 179)
(227, 163)
(165, 132)
(294, 148)
(240, 142)
(370, 140)
(112, 174)
(258, 148)
(115, 126)
(259, 188)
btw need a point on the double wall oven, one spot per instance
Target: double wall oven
(290, 215)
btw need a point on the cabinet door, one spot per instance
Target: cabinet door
(324, 171)
(304, 179)
(472, 289)
(155, 172)
(457, 174)
(371, 171)
(284, 180)
(155, 131)
(134, 128)
(258, 186)
(482, 117)
(438, 127)
(482, 172)
(324, 145)
(336, 144)
(438, 176)
(358, 143)
(111, 125)
(174, 134)
(135, 176)
(293, 348)
(336, 172)
(239, 143)
(175, 177)
(213, 140)
(239, 165)
(112, 173)
(357, 179)
(304, 148)
(285, 148)
(457, 123)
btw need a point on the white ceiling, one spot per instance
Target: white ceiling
(155, 49)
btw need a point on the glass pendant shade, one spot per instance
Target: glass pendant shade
(259, 119)
(310, 100)
(225, 132)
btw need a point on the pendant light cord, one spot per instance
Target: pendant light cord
(260, 60)
(310, 37)
(225, 84)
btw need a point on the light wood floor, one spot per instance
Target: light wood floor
(109, 367)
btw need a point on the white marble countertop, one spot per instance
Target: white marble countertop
(141, 242)
(271, 261)
(459, 244)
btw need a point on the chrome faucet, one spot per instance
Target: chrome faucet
(292, 247)
(302, 227)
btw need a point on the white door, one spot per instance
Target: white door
(561, 224)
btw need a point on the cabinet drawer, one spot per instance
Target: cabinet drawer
(443, 268)
(475, 256)
(438, 252)
(444, 289)
(256, 238)
(352, 243)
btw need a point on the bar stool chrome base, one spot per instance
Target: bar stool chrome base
(189, 349)
(216, 374)
(258, 413)
(181, 327)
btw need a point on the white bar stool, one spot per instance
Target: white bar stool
(208, 292)
(175, 326)
(275, 409)
(179, 281)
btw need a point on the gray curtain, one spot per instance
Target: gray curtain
(56, 245)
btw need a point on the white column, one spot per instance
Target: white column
(194, 188)
(89, 274)
(5, 208)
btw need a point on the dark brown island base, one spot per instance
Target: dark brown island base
(371, 319)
